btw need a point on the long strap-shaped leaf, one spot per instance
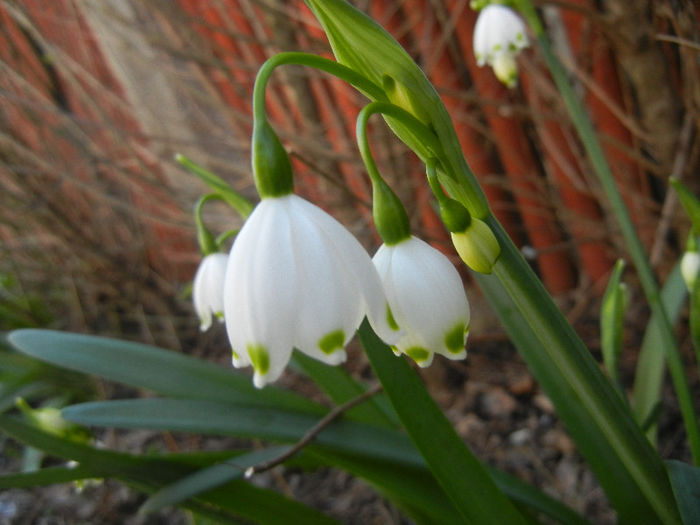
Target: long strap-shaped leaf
(144, 366)
(226, 504)
(651, 363)
(626, 465)
(190, 415)
(471, 489)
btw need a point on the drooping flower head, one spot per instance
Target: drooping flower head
(208, 289)
(499, 35)
(296, 278)
(427, 298)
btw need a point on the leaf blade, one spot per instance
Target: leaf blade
(470, 488)
(159, 370)
(189, 415)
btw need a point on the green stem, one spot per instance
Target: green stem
(225, 236)
(332, 67)
(428, 138)
(572, 378)
(207, 243)
(695, 322)
(639, 258)
(234, 199)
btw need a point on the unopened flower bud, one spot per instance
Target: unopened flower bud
(477, 246)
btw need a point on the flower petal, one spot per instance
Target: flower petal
(329, 306)
(427, 298)
(261, 288)
(499, 35)
(355, 263)
(208, 288)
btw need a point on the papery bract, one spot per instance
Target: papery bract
(499, 35)
(427, 298)
(296, 278)
(208, 288)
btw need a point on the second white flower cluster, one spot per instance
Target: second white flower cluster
(296, 278)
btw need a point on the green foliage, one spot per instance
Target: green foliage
(612, 316)
(400, 441)
(203, 398)
(685, 480)
(19, 309)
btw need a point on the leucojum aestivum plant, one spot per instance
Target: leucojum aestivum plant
(297, 286)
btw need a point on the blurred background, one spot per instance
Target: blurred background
(96, 229)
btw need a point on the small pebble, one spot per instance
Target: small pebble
(497, 403)
(520, 437)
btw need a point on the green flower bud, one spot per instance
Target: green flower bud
(454, 215)
(272, 168)
(389, 215)
(477, 246)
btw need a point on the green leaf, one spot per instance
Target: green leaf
(234, 199)
(690, 203)
(411, 488)
(470, 487)
(47, 476)
(535, 500)
(651, 364)
(152, 368)
(208, 478)
(612, 314)
(628, 469)
(685, 480)
(241, 420)
(264, 507)
(225, 504)
(341, 388)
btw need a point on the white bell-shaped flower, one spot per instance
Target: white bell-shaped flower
(296, 278)
(427, 299)
(690, 268)
(208, 289)
(499, 35)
